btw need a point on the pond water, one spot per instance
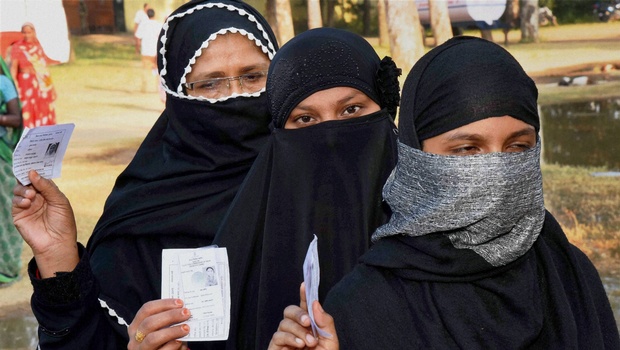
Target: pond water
(580, 133)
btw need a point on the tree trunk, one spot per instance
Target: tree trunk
(284, 20)
(486, 34)
(270, 9)
(314, 14)
(331, 9)
(405, 30)
(384, 37)
(366, 18)
(510, 18)
(440, 21)
(529, 21)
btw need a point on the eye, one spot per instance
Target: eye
(465, 150)
(351, 110)
(304, 119)
(253, 77)
(518, 147)
(207, 84)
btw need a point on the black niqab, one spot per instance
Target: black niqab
(176, 190)
(322, 180)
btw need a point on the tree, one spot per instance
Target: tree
(510, 18)
(366, 17)
(405, 30)
(529, 21)
(284, 21)
(440, 21)
(384, 37)
(270, 9)
(314, 14)
(331, 9)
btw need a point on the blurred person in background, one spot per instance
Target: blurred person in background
(34, 81)
(11, 242)
(146, 45)
(140, 16)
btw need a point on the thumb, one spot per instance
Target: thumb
(46, 187)
(324, 320)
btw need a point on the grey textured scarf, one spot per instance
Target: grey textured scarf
(490, 203)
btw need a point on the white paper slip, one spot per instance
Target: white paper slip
(312, 273)
(201, 279)
(42, 149)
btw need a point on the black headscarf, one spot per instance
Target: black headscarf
(447, 90)
(176, 190)
(422, 292)
(322, 180)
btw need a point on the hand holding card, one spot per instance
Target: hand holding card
(312, 277)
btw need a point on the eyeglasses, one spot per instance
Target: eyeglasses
(219, 87)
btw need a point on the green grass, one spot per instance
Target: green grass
(586, 206)
(85, 49)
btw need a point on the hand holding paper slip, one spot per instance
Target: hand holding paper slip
(42, 149)
(312, 273)
(200, 278)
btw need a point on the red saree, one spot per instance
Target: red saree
(36, 90)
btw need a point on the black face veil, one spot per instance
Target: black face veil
(323, 180)
(176, 190)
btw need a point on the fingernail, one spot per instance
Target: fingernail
(310, 338)
(185, 328)
(178, 302)
(320, 307)
(305, 319)
(299, 341)
(186, 312)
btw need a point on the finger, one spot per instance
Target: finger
(164, 320)
(302, 296)
(297, 314)
(47, 188)
(326, 322)
(321, 317)
(296, 331)
(285, 340)
(23, 195)
(165, 338)
(151, 308)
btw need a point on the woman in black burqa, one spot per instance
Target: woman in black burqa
(173, 194)
(470, 259)
(322, 180)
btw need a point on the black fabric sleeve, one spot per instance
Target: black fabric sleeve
(69, 313)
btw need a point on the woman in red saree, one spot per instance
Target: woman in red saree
(29, 71)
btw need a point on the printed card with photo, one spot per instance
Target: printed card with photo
(201, 279)
(42, 149)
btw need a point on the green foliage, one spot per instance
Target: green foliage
(572, 11)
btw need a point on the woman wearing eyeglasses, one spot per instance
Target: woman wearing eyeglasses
(212, 57)
(333, 101)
